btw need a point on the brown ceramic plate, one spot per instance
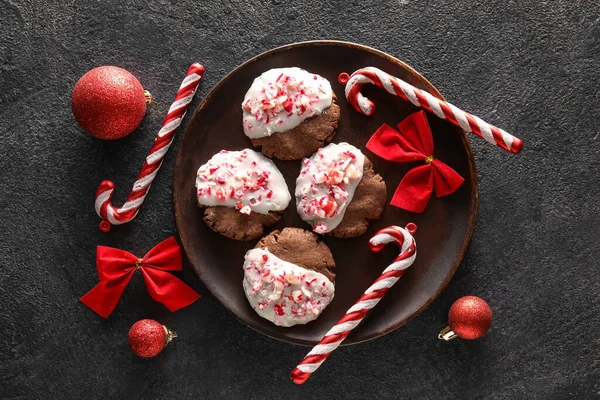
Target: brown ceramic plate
(445, 227)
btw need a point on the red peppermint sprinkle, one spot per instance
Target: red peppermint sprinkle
(328, 205)
(278, 310)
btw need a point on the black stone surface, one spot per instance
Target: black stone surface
(530, 67)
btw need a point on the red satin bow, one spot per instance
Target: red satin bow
(413, 143)
(116, 267)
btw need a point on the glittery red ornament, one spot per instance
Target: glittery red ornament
(109, 103)
(469, 318)
(148, 337)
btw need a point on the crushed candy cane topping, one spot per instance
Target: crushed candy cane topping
(244, 180)
(284, 293)
(326, 185)
(281, 98)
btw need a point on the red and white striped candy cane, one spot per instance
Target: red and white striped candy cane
(421, 98)
(356, 313)
(116, 216)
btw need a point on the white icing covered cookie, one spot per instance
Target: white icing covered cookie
(284, 293)
(244, 180)
(326, 185)
(281, 98)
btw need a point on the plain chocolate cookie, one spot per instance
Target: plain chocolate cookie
(303, 140)
(231, 223)
(300, 247)
(367, 204)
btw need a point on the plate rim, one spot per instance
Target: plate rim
(430, 88)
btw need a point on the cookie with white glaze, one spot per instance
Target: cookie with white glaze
(242, 193)
(287, 277)
(366, 206)
(338, 193)
(300, 247)
(289, 113)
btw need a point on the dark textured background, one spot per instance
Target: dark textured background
(530, 67)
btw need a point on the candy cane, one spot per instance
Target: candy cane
(356, 313)
(116, 216)
(420, 98)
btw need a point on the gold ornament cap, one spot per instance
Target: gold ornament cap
(170, 335)
(148, 97)
(447, 334)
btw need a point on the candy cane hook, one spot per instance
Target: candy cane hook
(423, 99)
(356, 313)
(116, 216)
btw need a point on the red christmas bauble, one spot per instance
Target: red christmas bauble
(148, 337)
(108, 102)
(470, 317)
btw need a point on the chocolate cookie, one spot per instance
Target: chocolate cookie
(338, 192)
(289, 113)
(243, 191)
(300, 247)
(287, 278)
(231, 223)
(304, 139)
(367, 205)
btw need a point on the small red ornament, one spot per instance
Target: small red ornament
(109, 102)
(469, 318)
(148, 337)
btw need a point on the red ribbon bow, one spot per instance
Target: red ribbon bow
(413, 143)
(116, 267)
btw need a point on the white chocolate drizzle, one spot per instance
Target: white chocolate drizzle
(284, 293)
(326, 185)
(281, 99)
(244, 180)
